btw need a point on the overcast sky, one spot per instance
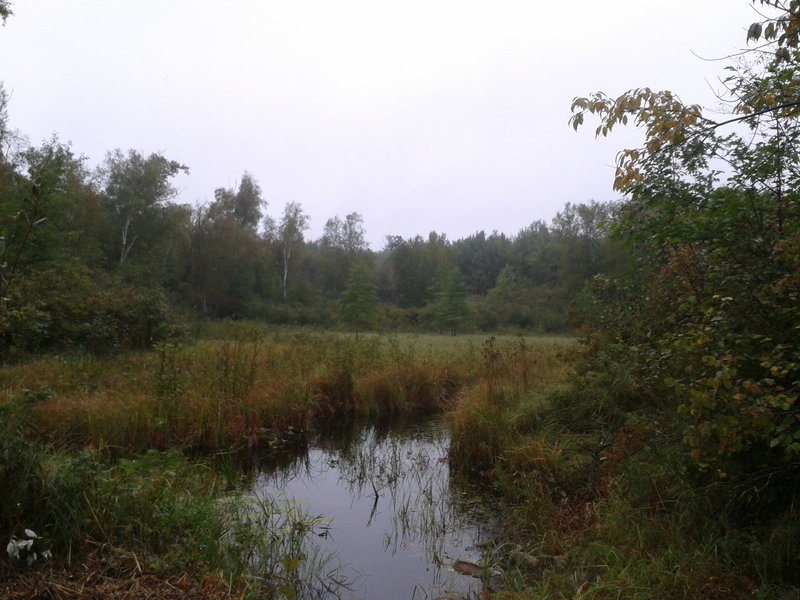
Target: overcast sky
(421, 115)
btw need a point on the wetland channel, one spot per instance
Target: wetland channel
(386, 519)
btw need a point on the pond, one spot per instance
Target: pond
(388, 520)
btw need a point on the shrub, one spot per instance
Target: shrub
(68, 308)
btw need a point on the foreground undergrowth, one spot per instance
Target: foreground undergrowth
(606, 501)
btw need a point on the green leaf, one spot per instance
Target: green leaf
(754, 32)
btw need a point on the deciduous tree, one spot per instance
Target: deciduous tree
(243, 206)
(228, 259)
(136, 187)
(290, 237)
(716, 315)
(5, 10)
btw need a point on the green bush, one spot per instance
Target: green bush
(70, 308)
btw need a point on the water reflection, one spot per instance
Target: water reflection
(397, 520)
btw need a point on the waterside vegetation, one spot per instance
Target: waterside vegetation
(141, 458)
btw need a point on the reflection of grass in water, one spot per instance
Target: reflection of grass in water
(411, 475)
(271, 544)
(427, 513)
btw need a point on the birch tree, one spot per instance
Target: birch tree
(136, 186)
(290, 231)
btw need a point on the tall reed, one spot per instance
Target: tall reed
(226, 394)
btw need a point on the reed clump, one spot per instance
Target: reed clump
(506, 401)
(230, 393)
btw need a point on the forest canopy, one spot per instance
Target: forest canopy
(106, 258)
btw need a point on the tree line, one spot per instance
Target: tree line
(106, 257)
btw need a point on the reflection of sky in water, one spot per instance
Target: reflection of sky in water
(403, 544)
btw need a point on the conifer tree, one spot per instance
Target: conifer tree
(358, 306)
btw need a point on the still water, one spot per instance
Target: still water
(386, 514)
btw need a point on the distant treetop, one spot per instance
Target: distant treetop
(5, 10)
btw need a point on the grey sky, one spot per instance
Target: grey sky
(446, 115)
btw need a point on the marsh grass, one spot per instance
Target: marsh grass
(110, 451)
(508, 399)
(223, 394)
(164, 514)
(270, 547)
